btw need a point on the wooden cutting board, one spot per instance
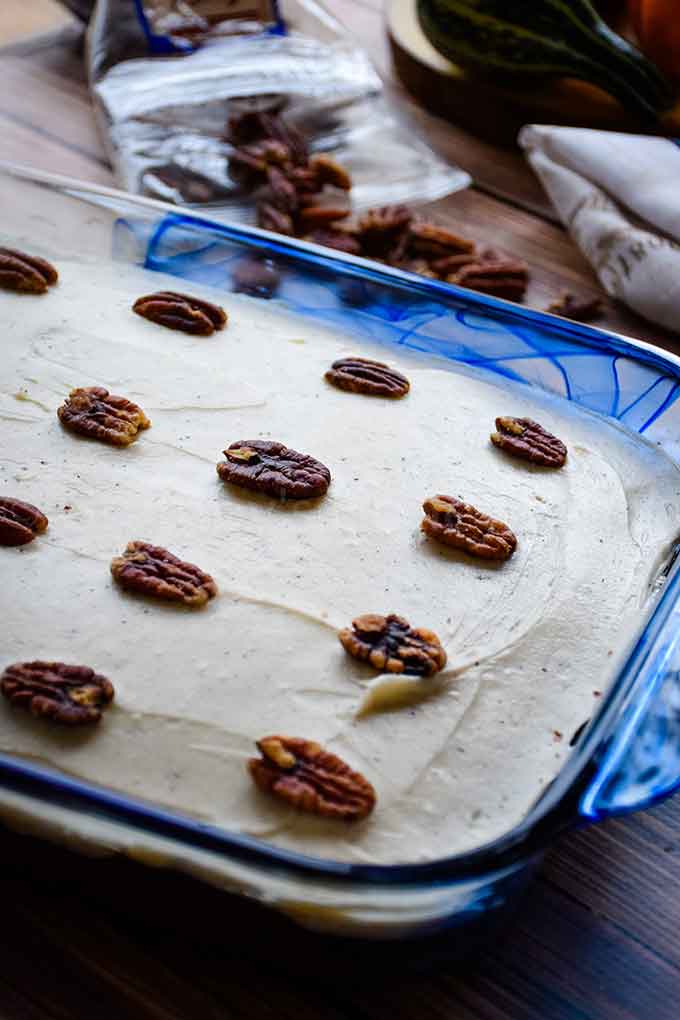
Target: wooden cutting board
(496, 110)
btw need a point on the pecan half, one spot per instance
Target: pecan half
(269, 467)
(19, 522)
(265, 125)
(252, 119)
(282, 192)
(330, 172)
(311, 778)
(305, 180)
(254, 276)
(340, 240)
(379, 229)
(247, 168)
(73, 695)
(433, 240)
(283, 131)
(360, 375)
(419, 266)
(507, 278)
(152, 570)
(581, 309)
(461, 525)
(528, 440)
(181, 311)
(390, 644)
(93, 411)
(450, 264)
(320, 215)
(27, 273)
(271, 218)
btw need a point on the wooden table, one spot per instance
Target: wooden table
(597, 936)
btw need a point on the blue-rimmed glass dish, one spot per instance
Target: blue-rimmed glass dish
(626, 758)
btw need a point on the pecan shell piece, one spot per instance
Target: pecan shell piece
(311, 779)
(391, 645)
(361, 375)
(461, 525)
(27, 273)
(528, 440)
(152, 570)
(19, 522)
(73, 695)
(272, 468)
(94, 412)
(181, 311)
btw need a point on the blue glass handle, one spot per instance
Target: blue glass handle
(639, 764)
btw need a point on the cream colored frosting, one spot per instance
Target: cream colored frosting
(530, 642)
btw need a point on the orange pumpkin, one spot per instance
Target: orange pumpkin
(657, 26)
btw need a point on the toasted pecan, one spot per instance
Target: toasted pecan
(72, 695)
(98, 414)
(19, 522)
(312, 779)
(181, 311)
(390, 644)
(28, 273)
(361, 375)
(461, 525)
(528, 440)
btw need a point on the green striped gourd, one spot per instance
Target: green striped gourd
(544, 37)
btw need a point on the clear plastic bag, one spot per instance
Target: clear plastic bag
(167, 75)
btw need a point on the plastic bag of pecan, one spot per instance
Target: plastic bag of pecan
(170, 78)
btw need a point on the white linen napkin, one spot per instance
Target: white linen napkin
(619, 196)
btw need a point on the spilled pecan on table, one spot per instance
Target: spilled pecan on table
(312, 779)
(379, 229)
(461, 525)
(430, 239)
(73, 695)
(581, 309)
(504, 278)
(19, 522)
(340, 240)
(450, 264)
(272, 468)
(29, 274)
(152, 570)
(390, 644)
(528, 440)
(94, 412)
(181, 312)
(361, 375)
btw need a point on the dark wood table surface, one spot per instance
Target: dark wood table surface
(596, 937)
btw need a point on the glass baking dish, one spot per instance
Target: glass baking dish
(625, 758)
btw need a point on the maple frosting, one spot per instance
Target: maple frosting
(531, 642)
